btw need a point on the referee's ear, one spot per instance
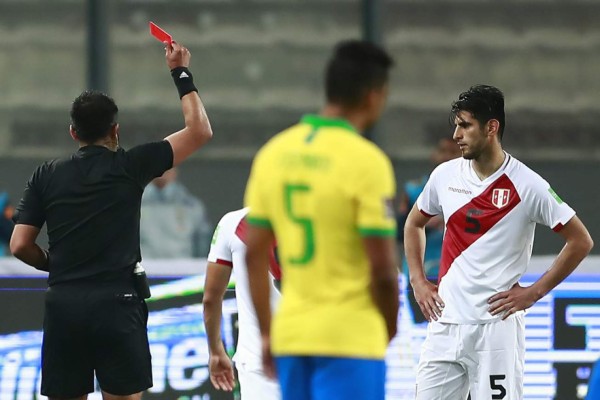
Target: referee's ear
(73, 133)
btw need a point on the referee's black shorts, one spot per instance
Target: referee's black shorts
(95, 327)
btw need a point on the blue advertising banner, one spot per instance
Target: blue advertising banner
(562, 340)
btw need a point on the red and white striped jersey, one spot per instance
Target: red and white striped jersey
(228, 248)
(489, 231)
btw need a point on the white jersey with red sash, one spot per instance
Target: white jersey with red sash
(489, 231)
(228, 248)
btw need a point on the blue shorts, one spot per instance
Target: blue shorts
(330, 378)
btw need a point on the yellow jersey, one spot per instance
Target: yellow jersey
(321, 186)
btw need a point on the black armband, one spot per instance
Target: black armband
(184, 81)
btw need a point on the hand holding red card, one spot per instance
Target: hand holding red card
(160, 34)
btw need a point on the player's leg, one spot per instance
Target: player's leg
(254, 385)
(347, 378)
(67, 371)
(498, 359)
(294, 374)
(440, 376)
(121, 351)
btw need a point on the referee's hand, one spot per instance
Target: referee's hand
(177, 55)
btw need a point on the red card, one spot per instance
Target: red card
(159, 34)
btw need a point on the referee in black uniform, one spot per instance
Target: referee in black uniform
(95, 320)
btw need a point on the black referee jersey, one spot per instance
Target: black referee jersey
(90, 202)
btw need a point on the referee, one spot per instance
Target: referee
(95, 319)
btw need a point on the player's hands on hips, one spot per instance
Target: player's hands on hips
(221, 371)
(428, 299)
(177, 55)
(515, 299)
(267, 358)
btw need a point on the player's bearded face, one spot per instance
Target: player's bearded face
(475, 146)
(469, 136)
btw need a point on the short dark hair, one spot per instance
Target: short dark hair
(356, 67)
(485, 102)
(93, 113)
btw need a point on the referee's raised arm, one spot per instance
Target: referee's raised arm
(197, 131)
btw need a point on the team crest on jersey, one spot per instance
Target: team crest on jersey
(500, 197)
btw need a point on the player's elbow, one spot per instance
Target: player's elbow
(581, 246)
(587, 244)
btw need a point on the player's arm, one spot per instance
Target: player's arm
(426, 294)
(578, 244)
(24, 247)
(197, 131)
(381, 252)
(215, 285)
(259, 242)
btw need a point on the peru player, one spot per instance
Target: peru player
(491, 203)
(227, 253)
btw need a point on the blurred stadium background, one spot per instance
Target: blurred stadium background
(259, 63)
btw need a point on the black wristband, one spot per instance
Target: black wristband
(184, 81)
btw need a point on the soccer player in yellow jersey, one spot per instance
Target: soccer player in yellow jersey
(325, 193)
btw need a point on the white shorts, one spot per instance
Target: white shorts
(485, 359)
(254, 385)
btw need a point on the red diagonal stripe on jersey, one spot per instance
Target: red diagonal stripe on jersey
(475, 218)
(241, 232)
(241, 229)
(274, 263)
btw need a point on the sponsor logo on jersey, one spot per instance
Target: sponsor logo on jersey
(556, 196)
(457, 190)
(500, 197)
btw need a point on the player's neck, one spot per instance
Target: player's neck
(355, 118)
(488, 162)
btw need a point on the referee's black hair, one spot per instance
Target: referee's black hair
(356, 68)
(93, 113)
(485, 102)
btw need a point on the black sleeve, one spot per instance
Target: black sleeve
(30, 210)
(150, 160)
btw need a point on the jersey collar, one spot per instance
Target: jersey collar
(492, 177)
(319, 121)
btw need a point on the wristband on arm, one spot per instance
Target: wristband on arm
(184, 81)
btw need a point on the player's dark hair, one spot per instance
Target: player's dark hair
(484, 102)
(92, 115)
(355, 68)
